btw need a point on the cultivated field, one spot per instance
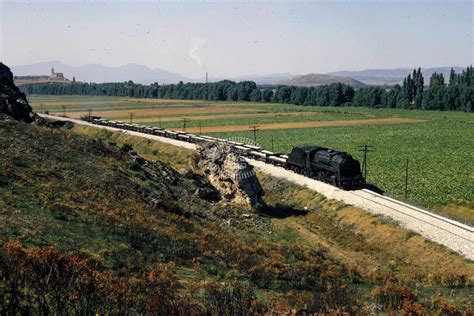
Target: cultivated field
(438, 144)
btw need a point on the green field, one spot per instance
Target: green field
(440, 149)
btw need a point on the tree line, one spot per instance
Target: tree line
(455, 95)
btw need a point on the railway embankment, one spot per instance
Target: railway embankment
(451, 234)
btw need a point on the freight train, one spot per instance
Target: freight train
(334, 167)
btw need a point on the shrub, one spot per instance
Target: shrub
(395, 296)
(234, 299)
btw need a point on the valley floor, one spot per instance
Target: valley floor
(436, 143)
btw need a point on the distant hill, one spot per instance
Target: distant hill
(313, 80)
(137, 73)
(22, 80)
(261, 79)
(101, 73)
(392, 76)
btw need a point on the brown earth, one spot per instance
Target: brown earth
(156, 112)
(293, 125)
(171, 102)
(211, 117)
(115, 101)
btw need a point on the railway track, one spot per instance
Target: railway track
(420, 210)
(429, 214)
(452, 234)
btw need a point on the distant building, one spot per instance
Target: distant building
(56, 75)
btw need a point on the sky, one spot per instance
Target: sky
(233, 38)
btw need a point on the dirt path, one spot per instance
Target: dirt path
(293, 125)
(348, 256)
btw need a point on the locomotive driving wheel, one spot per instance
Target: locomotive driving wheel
(333, 181)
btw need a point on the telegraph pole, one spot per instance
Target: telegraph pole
(365, 149)
(406, 180)
(207, 86)
(131, 117)
(255, 129)
(64, 110)
(185, 120)
(90, 113)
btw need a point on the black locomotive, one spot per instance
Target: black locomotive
(331, 166)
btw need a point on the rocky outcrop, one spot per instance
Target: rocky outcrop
(230, 174)
(13, 102)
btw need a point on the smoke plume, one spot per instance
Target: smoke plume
(196, 45)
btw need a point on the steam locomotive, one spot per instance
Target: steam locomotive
(331, 166)
(334, 167)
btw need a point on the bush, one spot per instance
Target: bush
(396, 297)
(233, 299)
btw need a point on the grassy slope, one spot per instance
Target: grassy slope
(370, 247)
(79, 196)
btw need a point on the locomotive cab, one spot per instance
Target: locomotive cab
(300, 158)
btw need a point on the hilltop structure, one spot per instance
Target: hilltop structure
(56, 75)
(53, 77)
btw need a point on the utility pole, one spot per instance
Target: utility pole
(64, 110)
(41, 106)
(200, 132)
(255, 129)
(185, 120)
(272, 144)
(207, 86)
(406, 180)
(90, 113)
(365, 149)
(131, 117)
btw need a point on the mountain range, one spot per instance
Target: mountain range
(101, 73)
(392, 76)
(313, 80)
(143, 74)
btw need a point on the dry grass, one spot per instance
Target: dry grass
(371, 245)
(223, 116)
(298, 125)
(464, 211)
(158, 112)
(175, 156)
(412, 255)
(118, 102)
(351, 258)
